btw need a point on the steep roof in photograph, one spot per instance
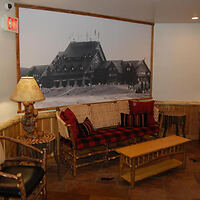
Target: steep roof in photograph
(118, 64)
(80, 49)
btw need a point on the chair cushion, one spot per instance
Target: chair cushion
(86, 128)
(2, 154)
(32, 175)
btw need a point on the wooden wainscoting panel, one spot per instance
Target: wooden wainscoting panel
(54, 125)
(21, 129)
(46, 125)
(39, 124)
(14, 128)
(11, 149)
(12, 131)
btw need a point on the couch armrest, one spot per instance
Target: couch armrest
(156, 114)
(62, 127)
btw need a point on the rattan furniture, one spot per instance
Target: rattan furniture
(150, 158)
(100, 147)
(22, 177)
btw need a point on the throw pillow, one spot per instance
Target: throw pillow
(69, 118)
(143, 107)
(68, 114)
(86, 128)
(62, 116)
(133, 120)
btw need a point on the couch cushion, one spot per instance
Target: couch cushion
(86, 128)
(106, 136)
(32, 175)
(150, 130)
(132, 131)
(133, 120)
(143, 107)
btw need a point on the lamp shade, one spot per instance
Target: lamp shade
(27, 90)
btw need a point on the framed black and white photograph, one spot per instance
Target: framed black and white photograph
(78, 58)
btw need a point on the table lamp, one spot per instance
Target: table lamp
(28, 92)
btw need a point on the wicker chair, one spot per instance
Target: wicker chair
(22, 177)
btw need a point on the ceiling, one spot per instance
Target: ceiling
(157, 11)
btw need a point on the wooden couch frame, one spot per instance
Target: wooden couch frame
(70, 155)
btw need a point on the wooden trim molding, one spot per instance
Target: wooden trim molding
(177, 103)
(17, 5)
(29, 6)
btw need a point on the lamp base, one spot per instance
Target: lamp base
(29, 119)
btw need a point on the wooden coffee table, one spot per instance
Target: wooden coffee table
(152, 157)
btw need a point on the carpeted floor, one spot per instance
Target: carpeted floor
(101, 182)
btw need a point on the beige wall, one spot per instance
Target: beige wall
(176, 71)
(7, 69)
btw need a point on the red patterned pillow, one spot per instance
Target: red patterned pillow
(69, 118)
(62, 116)
(68, 114)
(86, 128)
(133, 120)
(143, 107)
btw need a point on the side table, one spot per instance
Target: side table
(169, 118)
(46, 140)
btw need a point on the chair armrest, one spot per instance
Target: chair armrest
(156, 113)
(42, 152)
(25, 158)
(21, 143)
(6, 175)
(44, 159)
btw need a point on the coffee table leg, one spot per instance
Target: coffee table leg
(120, 166)
(132, 168)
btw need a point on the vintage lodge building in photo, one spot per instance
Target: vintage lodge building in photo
(84, 63)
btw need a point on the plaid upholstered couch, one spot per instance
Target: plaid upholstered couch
(89, 133)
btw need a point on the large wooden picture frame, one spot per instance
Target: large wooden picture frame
(78, 57)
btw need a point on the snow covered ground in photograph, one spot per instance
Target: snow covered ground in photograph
(88, 94)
